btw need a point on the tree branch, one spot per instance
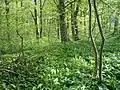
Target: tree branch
(43, 3)
(70, 3)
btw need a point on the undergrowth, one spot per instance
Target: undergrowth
(59, 66)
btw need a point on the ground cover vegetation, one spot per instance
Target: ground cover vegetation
(59, 45)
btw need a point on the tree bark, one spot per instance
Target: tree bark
(7, 18)
(102, 38)
(84, 14)
(41, 18)
(74, 25)
(35, 20)
(63, 28)
(58, 28)
(92, 39)
(116, 25)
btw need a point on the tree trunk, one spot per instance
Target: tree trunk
(17, 30)
(72, 21)
(116, 25)
(21, 3)
(92, 39)
(63, 29)
(84, 14)
(41, 18)
(58, 27)
(103, 40)
(7, 18)
(74, 14)
(35, 20)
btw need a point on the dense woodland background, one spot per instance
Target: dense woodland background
(59, 44)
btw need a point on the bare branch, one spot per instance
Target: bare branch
(70, 3)
(43, 3)
(106, 4)
(32, 13)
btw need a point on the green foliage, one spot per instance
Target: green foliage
(47, 64)
(57, 66)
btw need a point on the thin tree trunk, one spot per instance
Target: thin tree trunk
(22, 39)
(35, 20)
(84, 22)
(72, 21)
(7, 18)
(75, 20)
(21, 3)
(116, 25)
(92, 39)
(103, 40)
(74, 25)
(41, 19)
(67, 22)
(49, 29)
(58, 28)
(17, 30)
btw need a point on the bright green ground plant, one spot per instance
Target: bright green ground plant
(58, 67)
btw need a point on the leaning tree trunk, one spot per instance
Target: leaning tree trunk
(92, 39)
(103, 40)
(63, 29)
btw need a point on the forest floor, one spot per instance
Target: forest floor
(57, 66)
